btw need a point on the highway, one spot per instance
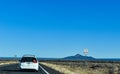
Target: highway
(14, 69)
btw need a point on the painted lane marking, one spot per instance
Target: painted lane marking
(44, 70)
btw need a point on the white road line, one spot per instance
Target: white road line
(44, 70)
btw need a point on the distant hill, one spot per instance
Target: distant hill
(79, 57)
(76, 57)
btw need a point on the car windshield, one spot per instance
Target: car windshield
(28, 59)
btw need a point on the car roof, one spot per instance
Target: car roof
(29, 56)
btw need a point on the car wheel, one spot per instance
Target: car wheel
(36, 70)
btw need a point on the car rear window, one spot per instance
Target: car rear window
(28, 59)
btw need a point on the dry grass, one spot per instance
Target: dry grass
(7, 62)
(80, 68)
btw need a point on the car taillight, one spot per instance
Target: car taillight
(34, 61)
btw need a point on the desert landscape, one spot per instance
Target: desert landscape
(7, 62)
(59, 36)
(80, 67)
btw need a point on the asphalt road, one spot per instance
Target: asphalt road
(14, 69)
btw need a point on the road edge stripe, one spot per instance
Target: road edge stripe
(44, 70)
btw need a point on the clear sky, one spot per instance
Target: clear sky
(60, 28)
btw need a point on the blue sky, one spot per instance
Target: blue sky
(59, 28)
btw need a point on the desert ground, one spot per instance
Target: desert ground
(79, 67)
(84, 67)
(7, 62)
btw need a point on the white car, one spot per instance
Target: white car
(29, 62)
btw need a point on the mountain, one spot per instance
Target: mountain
(79, 57)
